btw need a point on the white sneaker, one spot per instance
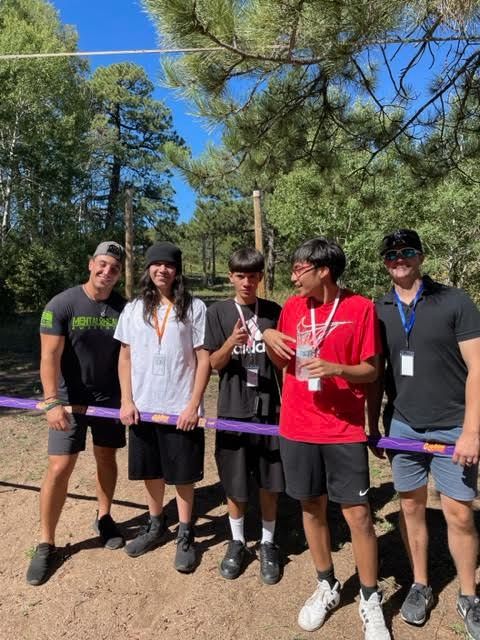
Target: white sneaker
(315, 609)
(372, 617)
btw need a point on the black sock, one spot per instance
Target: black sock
(328, 575)
(367, 591)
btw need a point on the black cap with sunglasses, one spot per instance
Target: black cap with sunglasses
(401, 238)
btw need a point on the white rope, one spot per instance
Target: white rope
(78, 54)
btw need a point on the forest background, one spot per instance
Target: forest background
(351, 118)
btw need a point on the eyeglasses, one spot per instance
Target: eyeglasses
(300, 271)
(395, 254)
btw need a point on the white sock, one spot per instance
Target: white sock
(268, 530)
(237, 526)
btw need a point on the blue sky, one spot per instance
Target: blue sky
(122, 24)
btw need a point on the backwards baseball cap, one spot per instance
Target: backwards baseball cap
(401, 237)
(164, 252)
(110, 248)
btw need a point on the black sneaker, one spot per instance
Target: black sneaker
(185, 558)
(417, 604)
(41, 564)
(234, 560)
(108, 531)
(149, 537)
(270, 569)
(469, 608)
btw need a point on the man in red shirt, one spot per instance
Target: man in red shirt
(328, 340)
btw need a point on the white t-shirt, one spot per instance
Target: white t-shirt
(162, 376)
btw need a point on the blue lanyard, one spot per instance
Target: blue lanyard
(408, 326)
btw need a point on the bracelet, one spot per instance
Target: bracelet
(52, 405)
(50, 398)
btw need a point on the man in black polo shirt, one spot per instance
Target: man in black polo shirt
(78, 368)
(431, 336)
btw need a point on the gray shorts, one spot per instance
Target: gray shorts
(105, 433)
(410, 469)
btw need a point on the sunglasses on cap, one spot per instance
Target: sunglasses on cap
(395, 254)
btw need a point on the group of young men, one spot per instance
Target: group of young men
(314, 364)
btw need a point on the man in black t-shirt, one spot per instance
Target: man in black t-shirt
(248, 391)
(78, 368)
(431, 336)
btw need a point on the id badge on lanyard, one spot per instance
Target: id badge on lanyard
(252, 370)
(407, 356)
(158, 367)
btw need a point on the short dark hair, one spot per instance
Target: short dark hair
(321, 252)
(246, 260)
(401, 237)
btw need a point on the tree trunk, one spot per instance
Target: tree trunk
(270, 258)
(114, 189)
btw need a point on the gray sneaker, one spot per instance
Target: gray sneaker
(469, 608)
(417, 604)
(185, 558)
(149, 537)
(41, 564)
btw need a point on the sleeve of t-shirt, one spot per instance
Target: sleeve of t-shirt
(467, 318)
(283, 320)
(214, 334)
(123, 328)
(199, 312)
(55, 317)
(370, 340)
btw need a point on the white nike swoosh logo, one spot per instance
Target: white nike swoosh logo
(363, 493)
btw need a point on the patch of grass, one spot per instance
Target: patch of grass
(30, 552)
(458, 629)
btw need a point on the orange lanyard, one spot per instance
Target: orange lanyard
(161, 330)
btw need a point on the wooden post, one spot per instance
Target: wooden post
(129, 243)
(257, 217)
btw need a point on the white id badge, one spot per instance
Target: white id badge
(158, 368)
(406, 363)
(314, 384)
(252, 376)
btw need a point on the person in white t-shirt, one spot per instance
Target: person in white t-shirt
(163, 368)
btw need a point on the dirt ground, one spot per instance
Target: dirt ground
(98, 594)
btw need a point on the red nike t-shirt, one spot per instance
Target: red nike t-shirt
(336, 413)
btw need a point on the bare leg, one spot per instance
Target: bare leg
(236, 509)
(185, 494)
(462, 541)
(155, 493)
(105, 458)
(315, 524)
(268, 504)
(364, 542)
(53, 493)
(413, 527)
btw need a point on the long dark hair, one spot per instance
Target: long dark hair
(150, 296)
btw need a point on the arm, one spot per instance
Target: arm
(468, 445)
(188, 419)
(365, 371)
(128, 411)
(219, 359)
(279, 347)
(51, 354)
(374, 399)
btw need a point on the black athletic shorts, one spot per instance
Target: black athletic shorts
(105, 433)
(241, 455)
(165, 452)
(338, 470)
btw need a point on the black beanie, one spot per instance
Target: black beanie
(164, 252)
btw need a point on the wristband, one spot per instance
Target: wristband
(52, 405)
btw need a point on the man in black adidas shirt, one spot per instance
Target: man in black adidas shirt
(248, 391)
(78, 368)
